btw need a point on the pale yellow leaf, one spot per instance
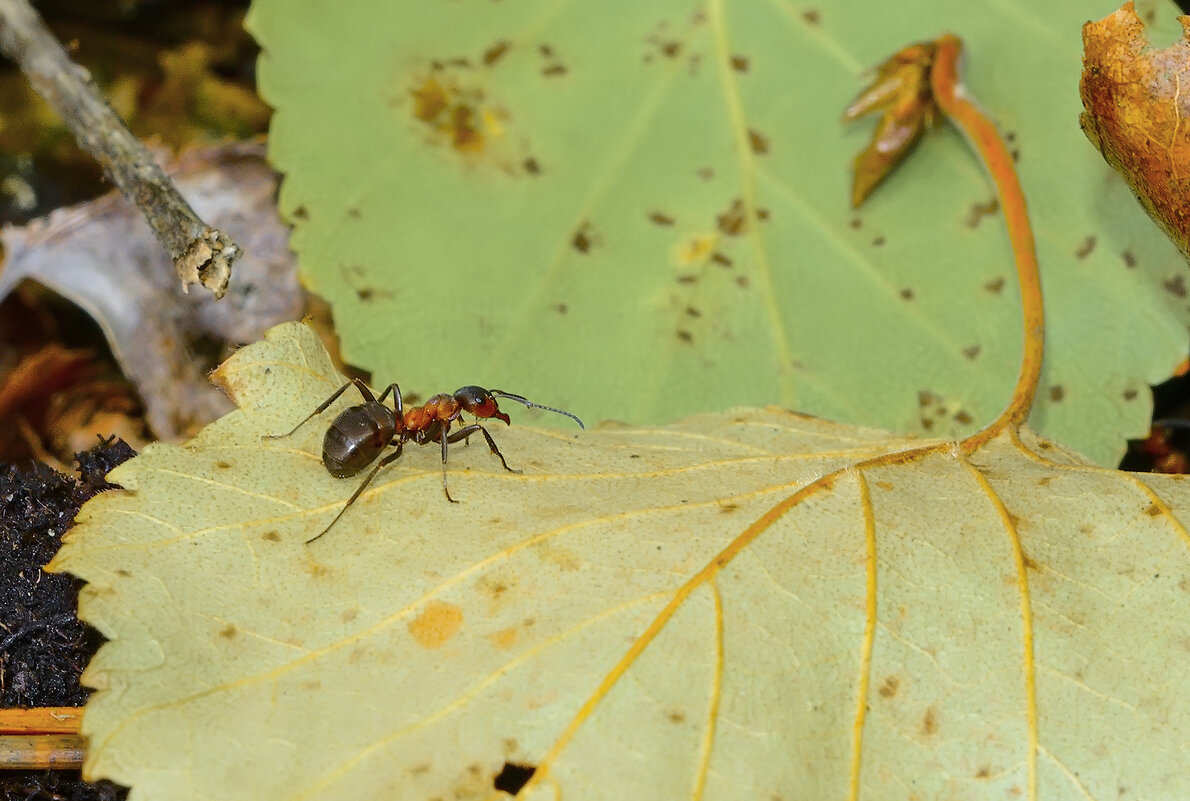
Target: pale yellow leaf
(717, 609)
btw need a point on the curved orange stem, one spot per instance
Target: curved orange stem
(952, 100)
(912, 89)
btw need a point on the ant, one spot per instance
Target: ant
(359, 434)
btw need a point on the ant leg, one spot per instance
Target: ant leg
(397, 404)
(463, 433)
(363, 485)
(360, 385)
(445, 440)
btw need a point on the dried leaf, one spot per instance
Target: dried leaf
(24, 391)
(1137, 100)
(901, 90)
(733, 606)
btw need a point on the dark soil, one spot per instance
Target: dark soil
(43, 645)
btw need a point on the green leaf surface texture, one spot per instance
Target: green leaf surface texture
(639, 211)
(714, 610)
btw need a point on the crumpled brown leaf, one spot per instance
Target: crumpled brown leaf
(103, 257)
(1137, 101)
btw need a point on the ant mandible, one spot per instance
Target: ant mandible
(360, 433)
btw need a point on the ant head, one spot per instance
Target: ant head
(479, 402)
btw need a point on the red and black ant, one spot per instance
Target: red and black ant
(359, 434)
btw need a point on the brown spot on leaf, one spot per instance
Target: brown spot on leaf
(1129, 394)
(693, 312)
(1129, 259)
(1153, 510)
(721, 260)
(659, 218)
(994, 286)
(582, 239)
(906, 294)
(228, 632)
(888, 688)
(436, 624)
(855, 223)
(300, 213)
(741, 281)
(762, 214)
(1086, 248)
(675, 716)
(1028, 562)
(878, 241)
(561, 308)
(812, 16)
(884, 485)
(963, 417)
(271, 536)
(354, 213)
(464, 135)
(1057, 393)
(687, 279)
(430, 100)
(1045, 481)
(739, 63)
(531, 166)
(728, 506)
(983, 772)
(222, 465)
(758, 142)
(123, 573)
(732, 221)
(971, 352)
(554, 70)
(671, 49)
(705, 173)
(348, 615)
(978, 211)
(685, 336)
(1176, 286)
(495, 53)
(452, 112)
(929, 722)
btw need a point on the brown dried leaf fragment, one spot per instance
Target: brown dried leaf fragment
(1136, 101)
(902, 91)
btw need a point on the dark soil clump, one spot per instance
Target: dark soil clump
(43, 645)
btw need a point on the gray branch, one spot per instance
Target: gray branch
(201, 254)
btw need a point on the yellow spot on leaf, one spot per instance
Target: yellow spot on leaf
(436, 624)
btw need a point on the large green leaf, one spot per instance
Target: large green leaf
(745, 605)
(640, 210)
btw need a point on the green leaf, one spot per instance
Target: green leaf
(716, 609)
(641, 211)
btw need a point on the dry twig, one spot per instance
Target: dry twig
(201, 254)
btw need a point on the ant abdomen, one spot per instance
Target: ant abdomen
(356, 438)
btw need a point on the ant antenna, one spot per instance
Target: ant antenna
(522, 399)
